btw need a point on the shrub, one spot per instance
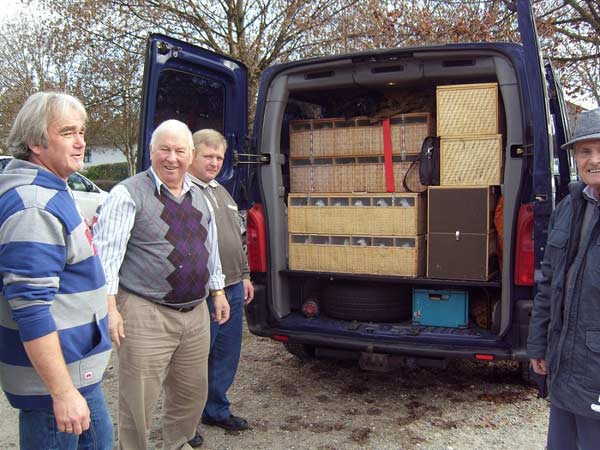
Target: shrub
(106, 185)
(105, 172)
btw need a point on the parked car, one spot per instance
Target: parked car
(328, 294)
(87, 195)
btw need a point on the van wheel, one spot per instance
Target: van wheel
(366, 303)
(302, 351)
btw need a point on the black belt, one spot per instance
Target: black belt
(182, 309)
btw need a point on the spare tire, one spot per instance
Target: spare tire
(367, 303)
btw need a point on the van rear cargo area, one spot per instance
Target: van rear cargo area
(396, 201)
(359, 247)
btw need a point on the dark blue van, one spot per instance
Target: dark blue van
(362, 316)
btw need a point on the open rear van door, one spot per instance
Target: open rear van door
(543, 140)
(200, 88)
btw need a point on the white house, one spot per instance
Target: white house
(103, 155)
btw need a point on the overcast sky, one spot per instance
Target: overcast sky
(10, 7)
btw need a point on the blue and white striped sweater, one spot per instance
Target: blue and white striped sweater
(51, 280)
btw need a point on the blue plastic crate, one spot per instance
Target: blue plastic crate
(440, 308)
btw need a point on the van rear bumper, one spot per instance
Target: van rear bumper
(260, 323)
(393, 348)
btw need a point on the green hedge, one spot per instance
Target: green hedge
(106, 185)
(105, 172)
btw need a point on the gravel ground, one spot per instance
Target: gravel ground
(327, 405)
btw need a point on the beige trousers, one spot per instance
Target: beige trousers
(163, 348)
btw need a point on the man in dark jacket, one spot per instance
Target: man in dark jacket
(564, 332)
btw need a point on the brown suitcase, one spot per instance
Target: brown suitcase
(462, 242)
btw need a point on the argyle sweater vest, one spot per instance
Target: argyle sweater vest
(167, 252)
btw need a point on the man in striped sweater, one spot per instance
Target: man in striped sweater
(54, 341)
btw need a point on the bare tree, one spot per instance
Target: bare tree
(115, 64)
(109, 35)
(44, 51)
(571, 29)
(257, 32)
(33, 58)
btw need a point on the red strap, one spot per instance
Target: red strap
(387, 157)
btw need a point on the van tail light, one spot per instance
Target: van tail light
(484, 357)
(525, 255)
(256, 239)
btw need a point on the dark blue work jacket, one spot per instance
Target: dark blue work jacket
(565, 323)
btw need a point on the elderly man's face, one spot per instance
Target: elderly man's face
(171, 157)
(208, 162)
(65, 150)
(587, 156)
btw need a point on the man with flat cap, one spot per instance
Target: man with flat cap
(564, 332)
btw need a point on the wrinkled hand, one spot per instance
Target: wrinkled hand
(221, 314)
(248, 291)
(539, 366)
(115, 321)
(71, 412)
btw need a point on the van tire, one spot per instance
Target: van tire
(304, 352)
(365, 303)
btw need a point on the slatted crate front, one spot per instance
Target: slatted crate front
(467, 109)
(409, 131)
(471, 161)
(357, 214)
(358, 136)
(375, 255)
(351, 174)
(311, 138)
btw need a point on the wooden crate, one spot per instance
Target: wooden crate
(358, 136)
(471, 161)
(461, 243)
(467, 109)
(358, 214)
(397, 256)
(352, 174)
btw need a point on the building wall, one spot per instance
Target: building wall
(103, 155)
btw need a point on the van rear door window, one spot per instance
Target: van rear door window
(194, 100)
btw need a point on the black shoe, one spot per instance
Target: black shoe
(196, 441)
(232, 423)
